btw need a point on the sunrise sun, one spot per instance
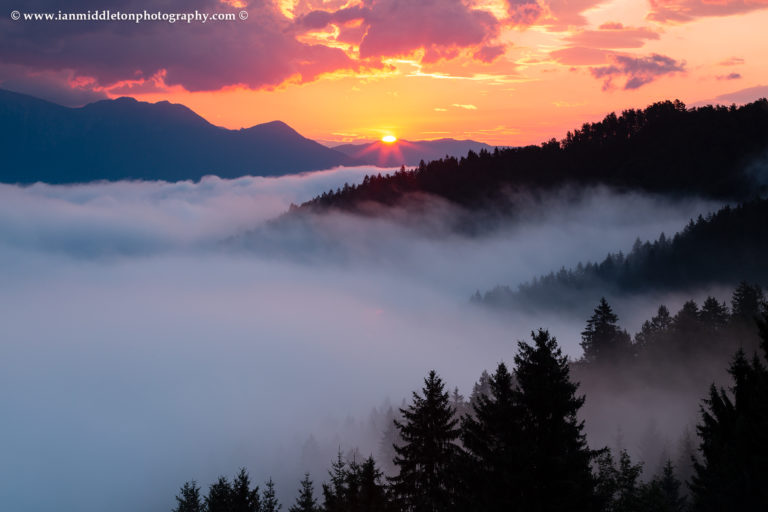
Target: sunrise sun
(389, 139)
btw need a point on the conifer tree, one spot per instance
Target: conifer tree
(428, 454)
(558, 472)
(733, 472)
(335, 491)
(663, 494)
(305, 502)
(244, 499)
(219, 497)
(269, 502)
(494, 442)
(188, 499)
(372, 495)
(602, 340)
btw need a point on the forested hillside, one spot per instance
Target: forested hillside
(721, 248)
(520, 442)
(665, 148)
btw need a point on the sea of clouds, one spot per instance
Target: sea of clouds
(158, 332)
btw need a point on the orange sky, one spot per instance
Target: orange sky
(526, 71)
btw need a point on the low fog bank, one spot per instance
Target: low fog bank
(142, 348)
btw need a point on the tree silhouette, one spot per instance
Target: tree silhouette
(557, 472)
(493, 439)
(188, 499)
(243, 498)
(219, 497)
(733, 472)
(269, 502)
(427, 481)
(305, 502)
(602, 339)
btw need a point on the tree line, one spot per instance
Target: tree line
(519, 444)
(664, 148)
(721, 248)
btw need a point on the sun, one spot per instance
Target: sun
(389, 139)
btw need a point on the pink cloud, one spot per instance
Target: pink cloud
(580, 56)
(637, 71)
(613, 35)
(489, 53)
(681, 11)
(260, 52)
(523, 12)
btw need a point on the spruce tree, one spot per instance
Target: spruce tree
(602, 340)
(494, 443)
(244, 499)
(188, 499)
(733, 470)
(372, 491)
(663, 494)
(428, 454)
(305, 502)
(334, 492)
(219, 497)
(269, 502)
(558, 472)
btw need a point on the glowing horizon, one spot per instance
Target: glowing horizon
(504, 72)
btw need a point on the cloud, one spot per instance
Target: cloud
(729, 76)
(523, 12)
(57, 87)
(259, 52)
(489, 53)
(464, 106)
(638, 71)
(732, 61)
(165, 325)
(580, 56)
(397, 28)
(612, 35)
(681, 11)
(561, 15)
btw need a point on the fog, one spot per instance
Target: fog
(158, 332)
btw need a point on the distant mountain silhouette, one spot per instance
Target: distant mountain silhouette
(404, 152)
(127, 139)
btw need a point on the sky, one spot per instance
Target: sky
(505, 72)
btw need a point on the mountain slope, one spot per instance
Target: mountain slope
(404, 152)
(665, 148)
(720, 249)
(128, 139)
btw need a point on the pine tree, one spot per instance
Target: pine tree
(305, 502)
(663, 494)
(188, 499)
(269, 502)
(335, 491)
(372, 492)
(747, 303)
(493, 439)
(733, 472)
(219, 497)
(244, 499)
(602, 340)
(427, 456)
(557, 472)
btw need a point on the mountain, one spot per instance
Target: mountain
(128, 139)
(409, 153)
(723, 248)
(712, 151)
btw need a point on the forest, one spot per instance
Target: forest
(665, 148)
(720, 249)
(519, 442)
